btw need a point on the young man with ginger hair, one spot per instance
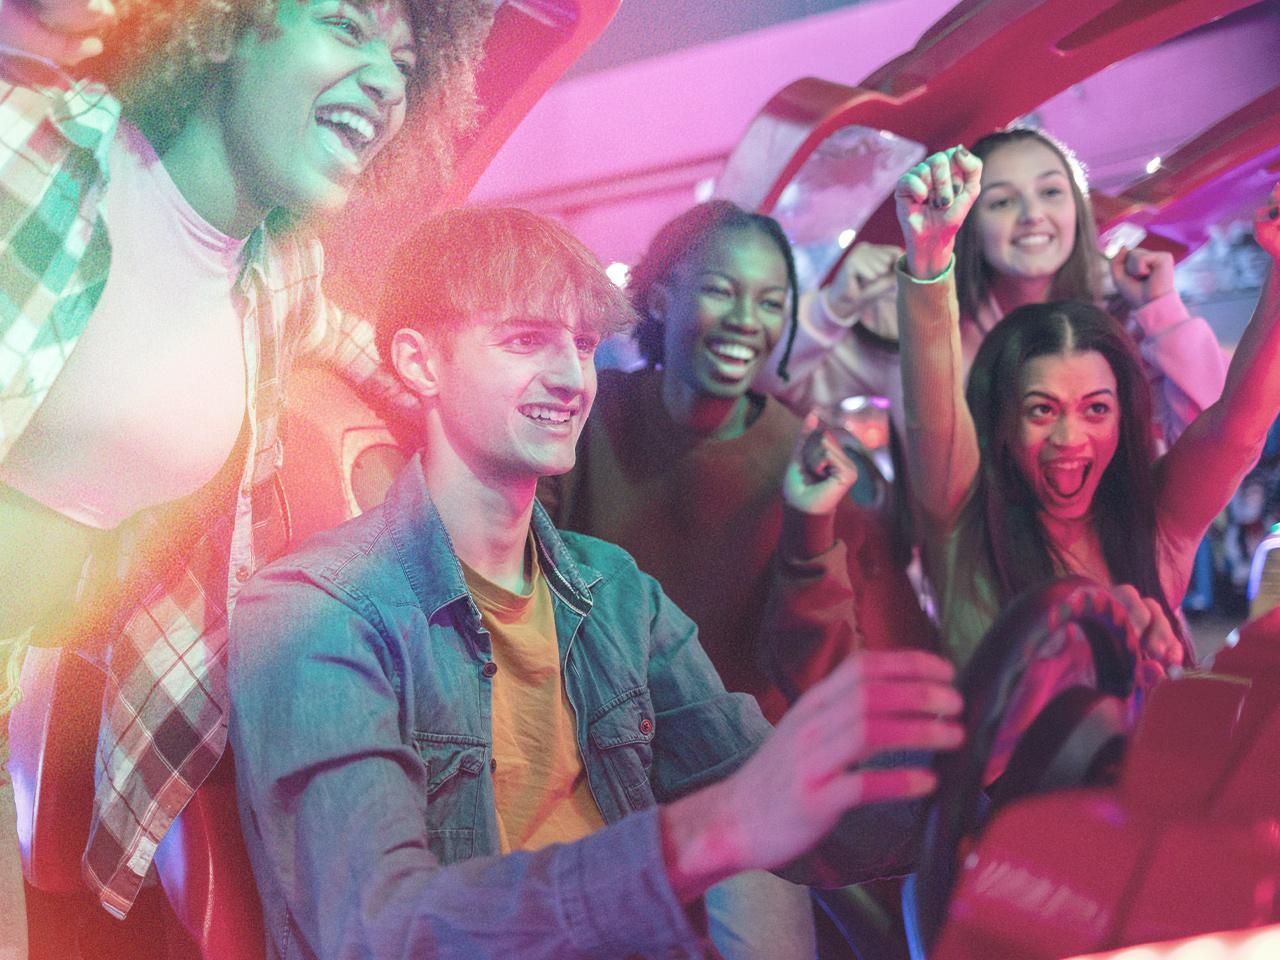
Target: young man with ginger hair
(462, 733)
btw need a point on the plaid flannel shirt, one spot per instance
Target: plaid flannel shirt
(165, 706)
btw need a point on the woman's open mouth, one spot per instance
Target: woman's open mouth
(1065, 478)
(348, 134)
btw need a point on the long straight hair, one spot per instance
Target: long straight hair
(1001, 522)
(1079, 278)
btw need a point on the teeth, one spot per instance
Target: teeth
(547, 414)
(361, 129)
(1066, 477)
(732, 351)
(1035, 240)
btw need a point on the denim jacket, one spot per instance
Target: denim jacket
(361, 730)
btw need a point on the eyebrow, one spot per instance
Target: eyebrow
(364, 8)
(517, 324)
(725, 276)
(1107, 391)
(1039, 176)
(526, 323)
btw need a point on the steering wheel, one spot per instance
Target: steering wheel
(1078, 729)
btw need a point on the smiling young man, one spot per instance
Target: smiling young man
(156, 283)
(462, 733)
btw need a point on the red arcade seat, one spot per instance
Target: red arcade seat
(205, 873)
(1185, 843)
(52, 734)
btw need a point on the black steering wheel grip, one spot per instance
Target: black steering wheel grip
(1078, 730)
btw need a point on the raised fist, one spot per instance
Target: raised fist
(933, 198)
(820, 473)
(1142, 275)
(866, 287)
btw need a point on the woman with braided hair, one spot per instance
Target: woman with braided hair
(699, 477)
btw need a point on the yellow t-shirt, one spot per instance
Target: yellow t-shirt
(540, 784)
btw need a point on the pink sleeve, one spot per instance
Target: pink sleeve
(1206, 464)
(828, 362)
(1187, 365)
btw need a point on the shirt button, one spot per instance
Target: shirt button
(489, 669)
(493, 764)
(646, 726)
(242, 573)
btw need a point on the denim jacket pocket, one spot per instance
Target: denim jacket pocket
(455, 770)
(621, 732)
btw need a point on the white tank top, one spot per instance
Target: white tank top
(149, 405)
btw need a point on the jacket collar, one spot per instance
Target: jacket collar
(431, 564)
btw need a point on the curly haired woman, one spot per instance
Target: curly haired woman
(157, 279)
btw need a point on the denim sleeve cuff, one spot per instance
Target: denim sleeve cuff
(616, 898)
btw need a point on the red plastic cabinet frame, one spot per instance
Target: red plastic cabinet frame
(954, 85)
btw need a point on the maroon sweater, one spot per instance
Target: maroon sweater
(705, 517)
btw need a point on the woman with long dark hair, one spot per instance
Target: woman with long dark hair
(1044, 466)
